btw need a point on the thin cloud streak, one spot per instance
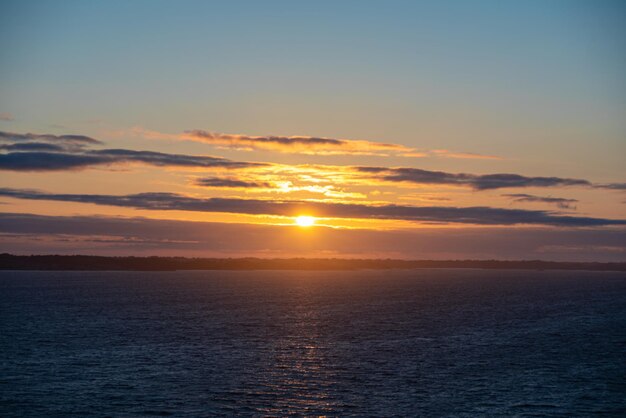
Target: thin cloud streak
(219, 182)
(560, 202)
(444, 153)
(612, 186)
(306, 144)
(295, 144)
(75, 140)
(164, 159)
(289, 208)
(475, 181)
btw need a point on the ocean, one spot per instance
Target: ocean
(336, 343)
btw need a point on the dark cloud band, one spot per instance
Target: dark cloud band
(478, 182)
(463, 215)
(58, 161)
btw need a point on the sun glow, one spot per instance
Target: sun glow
(305, 221)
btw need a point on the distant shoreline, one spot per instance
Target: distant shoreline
(102, 263)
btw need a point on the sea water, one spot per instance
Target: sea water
(272, 343)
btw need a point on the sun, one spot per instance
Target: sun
(305, 221)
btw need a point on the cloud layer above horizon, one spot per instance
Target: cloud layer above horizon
(290, 208)
(32, 234)
(47, 152)
(336, 192)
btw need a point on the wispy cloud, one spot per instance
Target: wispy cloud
(279, 185)
(6, 116)
(165, 159)
(478, 182)
(290, 208)
(306, 144)
(444, 153)
(220, 182)
(66, 141)
(464, 155)
(560, 202)
(612, 186)
(296, 144)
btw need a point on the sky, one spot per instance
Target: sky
(403, 129)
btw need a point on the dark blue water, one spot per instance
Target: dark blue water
(404, 343)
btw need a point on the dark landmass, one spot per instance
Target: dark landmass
(86, 262)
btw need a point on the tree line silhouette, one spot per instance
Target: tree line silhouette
(88, 262)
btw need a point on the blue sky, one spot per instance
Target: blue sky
(504, 76)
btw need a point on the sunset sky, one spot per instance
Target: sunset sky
(453, 129)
